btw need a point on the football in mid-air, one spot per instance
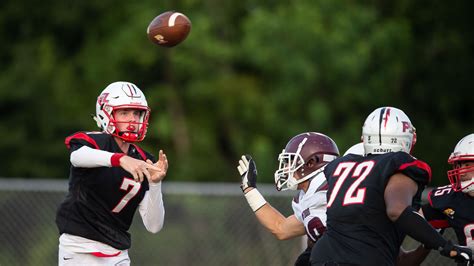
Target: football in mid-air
(169, 29)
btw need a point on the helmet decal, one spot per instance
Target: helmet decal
(102, 99)
(130, 90)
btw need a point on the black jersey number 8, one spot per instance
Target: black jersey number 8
(355, 194)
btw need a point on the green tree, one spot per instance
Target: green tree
(249, 77)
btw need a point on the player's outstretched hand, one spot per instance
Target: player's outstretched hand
(138, 168)
(248, 172)
(460, 254)
(161, 167)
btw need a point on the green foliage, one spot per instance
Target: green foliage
(248, 78)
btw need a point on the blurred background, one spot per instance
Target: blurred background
(248, 78)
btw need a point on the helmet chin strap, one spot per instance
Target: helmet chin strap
(293, 182)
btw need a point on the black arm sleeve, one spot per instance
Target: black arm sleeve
(411, 223)
(431, 213)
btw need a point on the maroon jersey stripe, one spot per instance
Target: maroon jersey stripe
(323, 186)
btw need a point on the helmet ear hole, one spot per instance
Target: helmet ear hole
(314, 163)
(314, 160)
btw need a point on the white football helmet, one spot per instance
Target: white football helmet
(306, 153)
(388, 129)
(463, 152)
(122, 95)
(356, 149)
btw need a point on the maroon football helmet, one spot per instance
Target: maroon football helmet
(304, 148)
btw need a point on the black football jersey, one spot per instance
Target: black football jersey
(447, 208)
(101, 201)
(358, 229)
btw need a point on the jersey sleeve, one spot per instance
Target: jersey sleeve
(297, 207)
(416, 169)
(314, 217)
(434, 217)
(79, 139)
(152, 210)
(434, 210)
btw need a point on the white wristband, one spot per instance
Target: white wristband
(255, 199)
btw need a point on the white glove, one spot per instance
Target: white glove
(248, 172)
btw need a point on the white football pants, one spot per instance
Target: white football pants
(67, 258)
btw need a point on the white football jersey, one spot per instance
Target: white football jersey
(310, 207)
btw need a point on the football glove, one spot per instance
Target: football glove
(463, 254)
(248, 172)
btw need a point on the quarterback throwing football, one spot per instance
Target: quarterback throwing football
(110, 178)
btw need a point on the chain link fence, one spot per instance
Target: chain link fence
(205, 224)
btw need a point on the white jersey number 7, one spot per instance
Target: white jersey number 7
(127, 182)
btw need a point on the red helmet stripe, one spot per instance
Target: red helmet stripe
(387, 115)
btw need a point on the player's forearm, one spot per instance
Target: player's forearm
(280, 226)
(89, 158)
(272, 220)
(266, 214)
(152, 209)
(269, 217)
